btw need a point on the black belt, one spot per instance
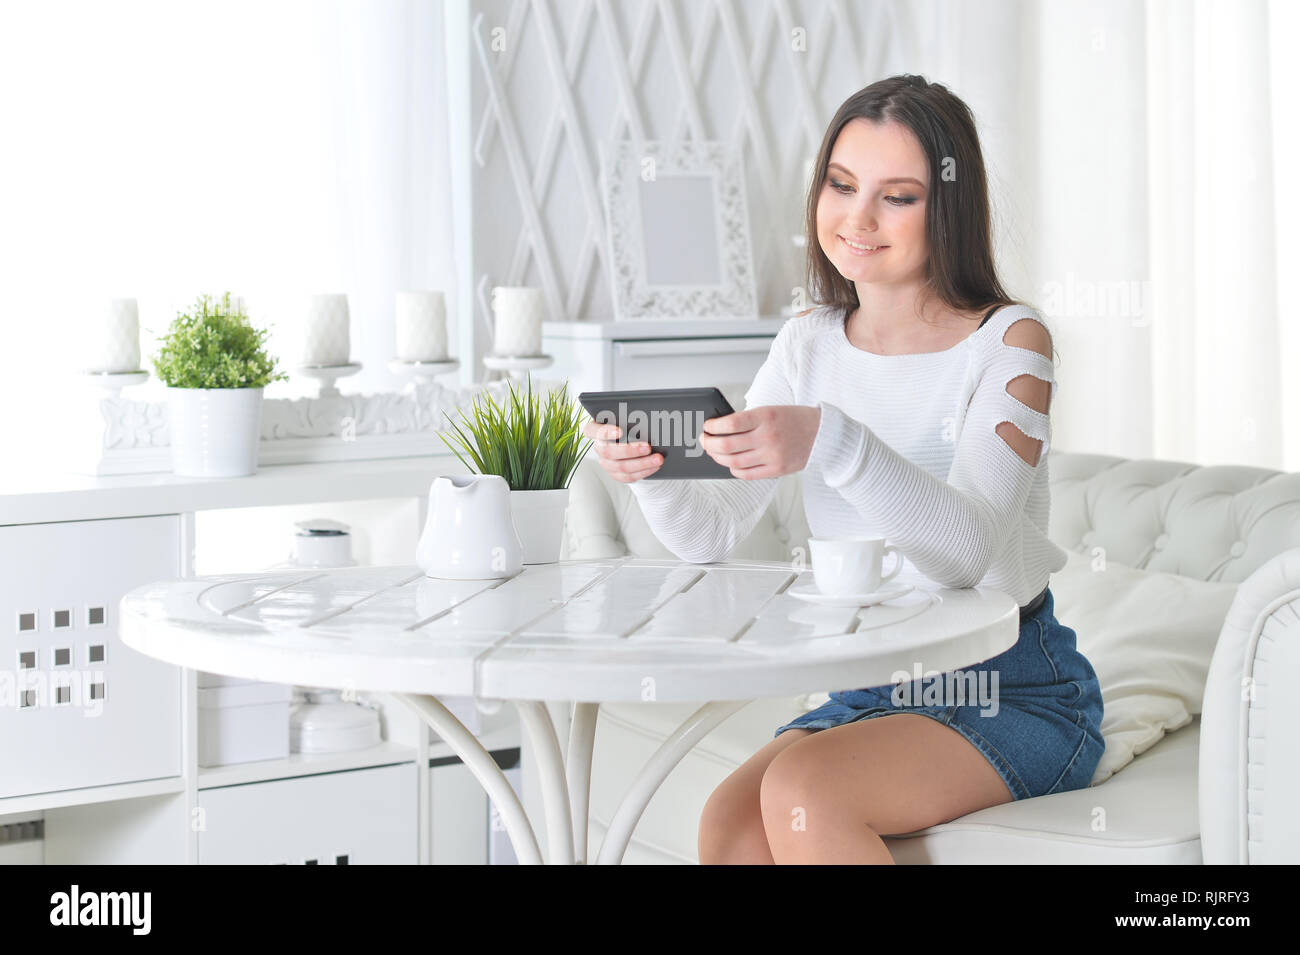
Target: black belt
(1029, 609)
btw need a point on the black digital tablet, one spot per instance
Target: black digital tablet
(669, 420)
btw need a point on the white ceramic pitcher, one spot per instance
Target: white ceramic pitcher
(469, 533)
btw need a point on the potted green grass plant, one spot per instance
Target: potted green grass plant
(536, 448)
(215, 366)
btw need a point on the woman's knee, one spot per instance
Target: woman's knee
(788, 785)
(730, 823)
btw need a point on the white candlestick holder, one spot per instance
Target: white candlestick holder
(112, 382)
(517, 367)
(326, 375)
(424, 372)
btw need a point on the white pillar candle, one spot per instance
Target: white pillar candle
(326, 341)
(112, 342)
(421, 326)
(517, 321)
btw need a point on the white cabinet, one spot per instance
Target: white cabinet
(458, 815)
(465, 828)
(501, 851)
(359, 817)
(700, 362)
(109, 767)
(78, 708)
(670, 353)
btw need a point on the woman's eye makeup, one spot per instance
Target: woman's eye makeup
(845, 189)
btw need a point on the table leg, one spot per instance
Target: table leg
(566, 784)
(485, 769)
(550, 765)
(582, 737)
(698, 725)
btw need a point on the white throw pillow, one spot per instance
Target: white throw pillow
(1150, 637)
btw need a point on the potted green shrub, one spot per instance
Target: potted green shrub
(215, 367)
(536, 449)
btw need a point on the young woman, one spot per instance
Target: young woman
(915, 398)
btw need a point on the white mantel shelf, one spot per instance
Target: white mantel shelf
(653, 328)
(38, 498)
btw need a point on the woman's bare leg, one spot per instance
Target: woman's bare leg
(731, 825)
(831, 797)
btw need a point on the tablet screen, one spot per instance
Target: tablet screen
(670, 420)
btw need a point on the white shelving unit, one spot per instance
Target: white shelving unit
(302, 764)
(124, 786)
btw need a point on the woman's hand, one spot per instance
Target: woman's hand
(768, 441)
(625, 463)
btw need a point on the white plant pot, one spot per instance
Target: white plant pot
(539, 521)
(215, 432)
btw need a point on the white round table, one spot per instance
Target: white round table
(580, 632)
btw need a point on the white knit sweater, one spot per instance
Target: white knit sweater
(906, 450)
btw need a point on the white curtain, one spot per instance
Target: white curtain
(158, 150)
(1163, 223)
(1138, 162)
(1224, 234)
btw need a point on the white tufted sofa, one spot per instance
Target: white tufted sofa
(1220, 789)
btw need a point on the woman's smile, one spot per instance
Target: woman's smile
(862, 250)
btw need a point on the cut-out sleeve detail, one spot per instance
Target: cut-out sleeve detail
(950, 530)
(1030, 348)
(702, 521)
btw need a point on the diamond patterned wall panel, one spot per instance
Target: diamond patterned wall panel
(551, 79)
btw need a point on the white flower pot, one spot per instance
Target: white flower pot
(539, 521)
(215, 432)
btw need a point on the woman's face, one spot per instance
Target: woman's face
(874, 195)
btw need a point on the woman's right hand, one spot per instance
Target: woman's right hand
(625, 463)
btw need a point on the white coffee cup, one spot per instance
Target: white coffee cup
(848, 566)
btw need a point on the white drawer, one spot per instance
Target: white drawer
(458, 815)
(465, 826)
(78, 707)
(688, 362)
(366, 815)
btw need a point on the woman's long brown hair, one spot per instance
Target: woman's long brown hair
(960, 270)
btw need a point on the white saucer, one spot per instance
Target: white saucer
(815, 596)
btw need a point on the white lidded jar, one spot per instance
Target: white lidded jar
(325, 723)
(321, 542)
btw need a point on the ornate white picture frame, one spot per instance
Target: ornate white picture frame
(677, 223)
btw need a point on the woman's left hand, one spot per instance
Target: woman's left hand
(768, 441)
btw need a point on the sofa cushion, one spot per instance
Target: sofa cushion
(1147, 814)
(1150, 637)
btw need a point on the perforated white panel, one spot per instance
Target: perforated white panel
(77, 706)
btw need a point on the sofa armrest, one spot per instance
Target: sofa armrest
(1249, 768)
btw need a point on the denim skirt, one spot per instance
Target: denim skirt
(1034, 710)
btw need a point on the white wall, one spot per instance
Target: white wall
(159, 150)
